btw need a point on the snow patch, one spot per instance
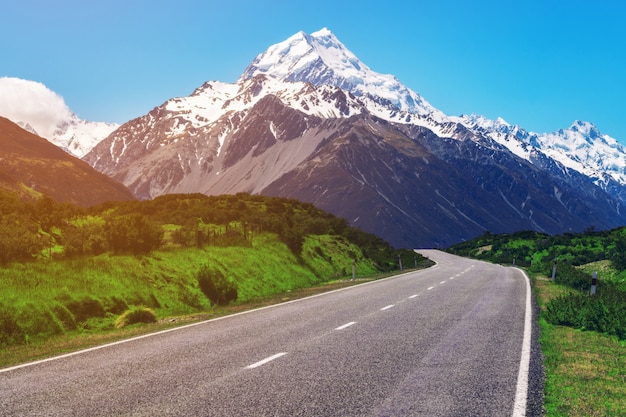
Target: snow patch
(32, 104)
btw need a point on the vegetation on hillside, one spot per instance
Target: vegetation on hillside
(66, 268)
(573, 257)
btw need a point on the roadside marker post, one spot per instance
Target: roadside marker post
(554, 268)
(400, 262)
(594, 281)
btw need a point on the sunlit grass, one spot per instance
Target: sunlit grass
(67, 299)
(585, 371)
(73, 341)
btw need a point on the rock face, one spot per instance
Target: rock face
(307, 120)
(31, 166)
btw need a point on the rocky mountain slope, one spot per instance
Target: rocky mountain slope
(308, 120)
(32, 166)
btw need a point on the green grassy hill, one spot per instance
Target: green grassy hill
(68, 270)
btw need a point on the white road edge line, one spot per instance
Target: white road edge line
(387, 307)
(521, 393)
(345, 326)
(266, 360)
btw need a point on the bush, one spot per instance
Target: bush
(10, 332)
(64, 316)
(136, 315)
(85, 309)
(133, 234)
(572, 277)
(605, 312)
(216, 287)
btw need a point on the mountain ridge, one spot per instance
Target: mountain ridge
(31, 166)
(268, 134)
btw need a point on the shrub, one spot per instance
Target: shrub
(605, 312)
(572, 277)
(85, 309)
(10, 332)
(216, 287)
(64, 316)
(116, 305)
(133, 234)
(136, 315)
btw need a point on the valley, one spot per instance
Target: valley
(311, 164)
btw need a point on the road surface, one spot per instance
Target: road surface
(446, 341)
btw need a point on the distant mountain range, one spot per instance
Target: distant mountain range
(31, 167)
(308, 120)
(41, 111)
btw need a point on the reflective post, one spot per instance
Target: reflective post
(594, 281)
(554, 268)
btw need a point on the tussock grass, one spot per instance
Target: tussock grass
(136, 315)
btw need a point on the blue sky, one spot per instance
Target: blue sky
(540, 64)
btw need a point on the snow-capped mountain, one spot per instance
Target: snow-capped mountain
(41, 111)
(308, 120)
(321, 59)
(581, 147)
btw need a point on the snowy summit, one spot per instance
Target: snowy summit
(321, 59)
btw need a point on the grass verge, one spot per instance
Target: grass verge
(13, 355)
(585, 371)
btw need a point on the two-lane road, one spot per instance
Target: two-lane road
(446, 341)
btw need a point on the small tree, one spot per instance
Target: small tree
(132, 234)
(216, 286)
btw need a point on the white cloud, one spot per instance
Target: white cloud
(33, 103)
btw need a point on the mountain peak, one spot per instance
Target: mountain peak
(295, 58)
(41, 111)
(586, 128)
(321, 59)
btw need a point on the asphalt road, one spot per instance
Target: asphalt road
(446, 341)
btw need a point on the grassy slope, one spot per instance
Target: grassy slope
(43, 299)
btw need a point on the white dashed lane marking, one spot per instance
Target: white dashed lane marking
(266, 360)
(345, 326)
